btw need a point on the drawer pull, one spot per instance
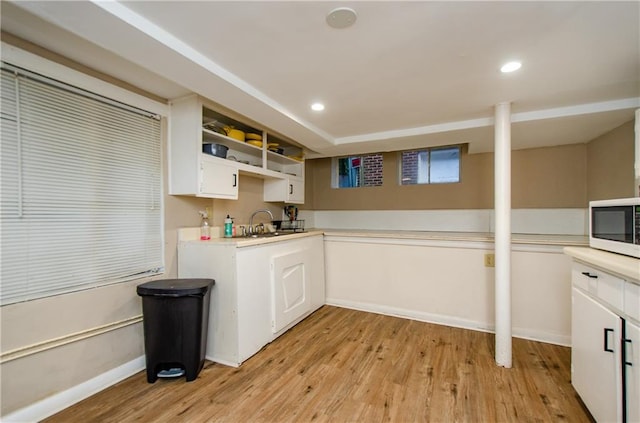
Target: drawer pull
(606, 339)
(628, 363)
(589, 275)
(235, 180)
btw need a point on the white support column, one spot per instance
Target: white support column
(502, 193)
(636, 189)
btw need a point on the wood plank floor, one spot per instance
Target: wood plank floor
(342, 365)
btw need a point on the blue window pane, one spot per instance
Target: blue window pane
(349, 172)
(360, 171)
(445, 165)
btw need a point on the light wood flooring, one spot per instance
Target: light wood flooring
(342, 365)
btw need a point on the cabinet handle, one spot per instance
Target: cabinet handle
(235, 180)
(589, 275)
(606, 339)
(628, 363)
(290, 189)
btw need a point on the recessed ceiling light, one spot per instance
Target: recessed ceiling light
(510, 67)
(318, 107)
(342, 17)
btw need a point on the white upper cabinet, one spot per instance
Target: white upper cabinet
(218, 179)
(289, 190)
(194, 124)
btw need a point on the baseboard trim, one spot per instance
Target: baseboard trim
(58, 402)
(455, 322)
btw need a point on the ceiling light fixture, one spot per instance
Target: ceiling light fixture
(318, 107)
(510, 67)
(342, 17)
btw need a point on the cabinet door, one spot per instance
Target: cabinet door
(595, 357)
(291, 288)
(288, 190)
(632, 368)
(295, 191)
(218, 180)
(254, 307)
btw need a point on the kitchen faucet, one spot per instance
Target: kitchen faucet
(251, 228)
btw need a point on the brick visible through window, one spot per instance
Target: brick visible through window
(360, 171)
(430, 166)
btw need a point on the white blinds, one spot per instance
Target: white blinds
(80, 189)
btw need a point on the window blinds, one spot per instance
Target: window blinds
(80, 189)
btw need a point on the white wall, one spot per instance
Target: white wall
(447, 283)
(523, 221)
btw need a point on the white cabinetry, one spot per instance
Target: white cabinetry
(260, 291)
(218, 179)
(595, 357)
(193, 172)
(289, 190)
(632, 366)
(291, 288)
(605, 347)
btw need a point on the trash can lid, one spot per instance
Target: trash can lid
(176, 287)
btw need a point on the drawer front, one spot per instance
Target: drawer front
(632, 300)
(611, 290)
(606, 287)
(584, 277)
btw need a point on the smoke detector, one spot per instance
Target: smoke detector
(341, 17)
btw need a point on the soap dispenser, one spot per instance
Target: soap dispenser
(228, 227)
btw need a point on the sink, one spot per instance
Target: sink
(267, 235)
(272, 235)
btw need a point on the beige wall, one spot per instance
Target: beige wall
(610, 164)
(551, 177)
(72, 353)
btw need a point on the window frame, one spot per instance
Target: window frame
(335, 171)
(429, 150)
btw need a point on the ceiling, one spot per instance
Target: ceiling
(405, 75)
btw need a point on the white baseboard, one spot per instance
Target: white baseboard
(455, 322)
(58, 402)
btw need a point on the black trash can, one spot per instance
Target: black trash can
(175, 319)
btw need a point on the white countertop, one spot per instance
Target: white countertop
(624, 266)
(192, 235)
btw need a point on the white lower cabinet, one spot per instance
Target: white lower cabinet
(290, 288)
(605, 344)
(260, 291)
(632, 367)
(595, 357)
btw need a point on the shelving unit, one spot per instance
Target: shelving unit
(195, 122)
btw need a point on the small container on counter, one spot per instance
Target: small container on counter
(205, 228)
(228, 227)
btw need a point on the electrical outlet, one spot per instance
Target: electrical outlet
(489, 260)
(209, 211)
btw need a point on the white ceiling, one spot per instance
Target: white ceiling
(407, 74)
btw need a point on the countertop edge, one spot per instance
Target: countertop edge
(241, 242)
(530, 239)
(486, 237)
(624, 266)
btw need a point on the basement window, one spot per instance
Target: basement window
(357, 171)
(430, 166)
(81, 189)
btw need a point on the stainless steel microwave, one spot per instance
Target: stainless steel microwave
(614, 225)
